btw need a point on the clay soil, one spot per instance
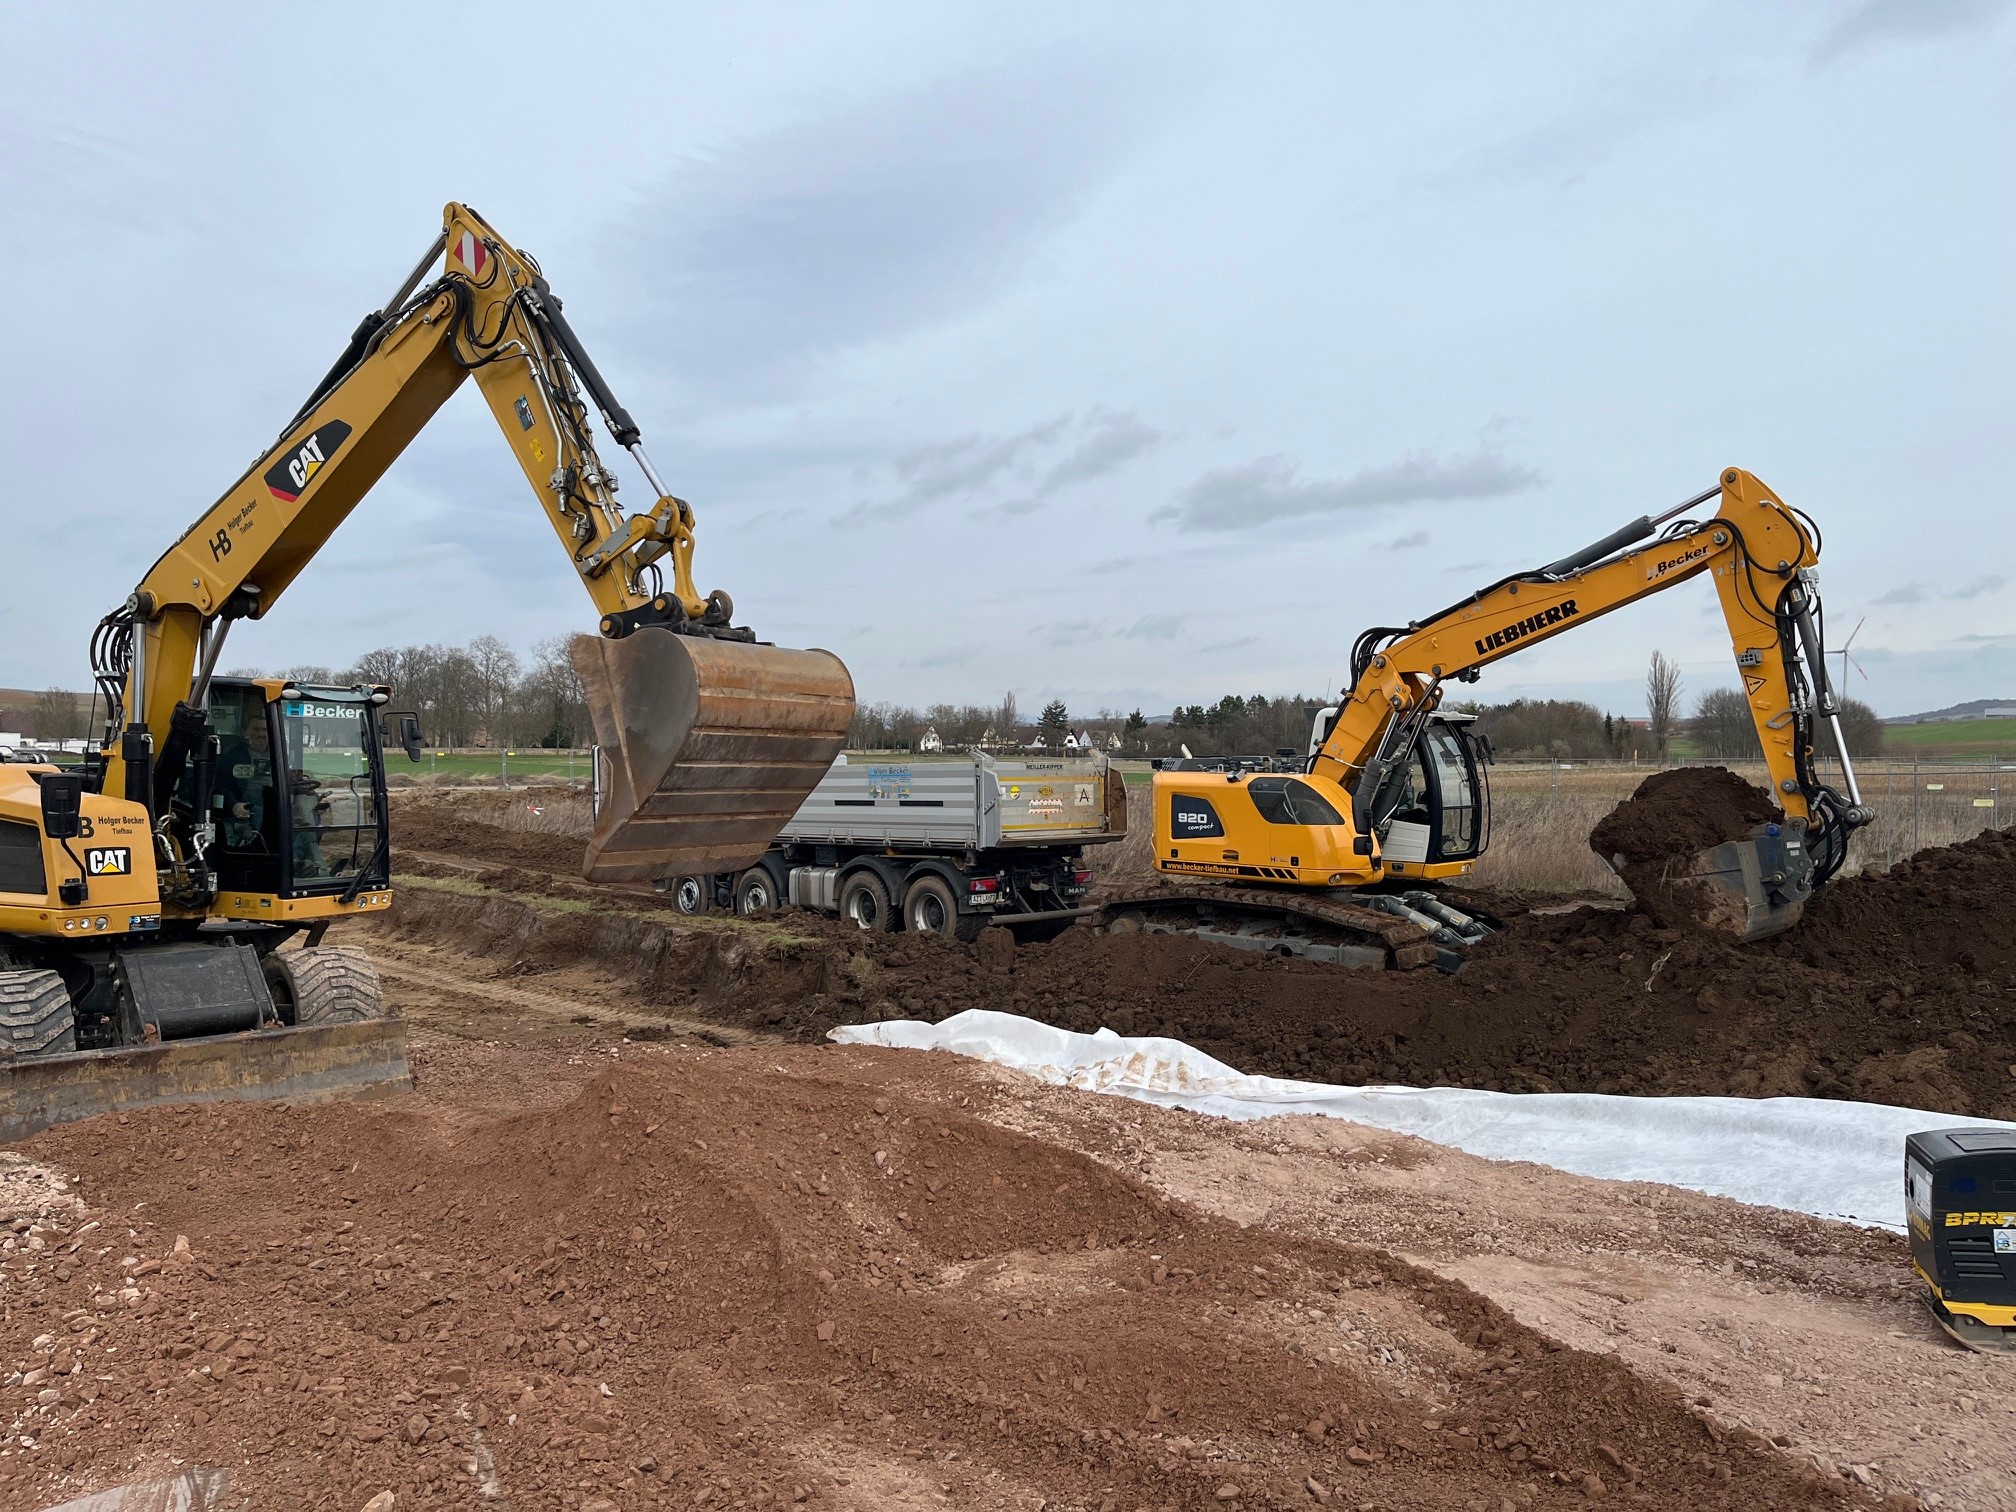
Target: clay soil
(597, 1274)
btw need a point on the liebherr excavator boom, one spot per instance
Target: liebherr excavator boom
(1395, 790)
(143, 899)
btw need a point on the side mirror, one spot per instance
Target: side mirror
(410, 736)
(62, 805)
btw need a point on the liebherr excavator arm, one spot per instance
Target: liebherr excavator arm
(776, 718)
(1765, 561)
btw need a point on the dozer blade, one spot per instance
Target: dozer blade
(366, 1059)
(709, 747)
(1747, 889)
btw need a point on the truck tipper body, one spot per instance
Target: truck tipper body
(935, 845)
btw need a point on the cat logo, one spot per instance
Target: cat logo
(288, 478)
(109, 861)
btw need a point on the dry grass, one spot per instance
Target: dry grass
(1541, 820)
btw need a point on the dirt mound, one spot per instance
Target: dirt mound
(447, 829)
(1674, 815)
(764, 1277)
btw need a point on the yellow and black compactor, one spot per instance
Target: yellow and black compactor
(163, 908)
(1960, 1203)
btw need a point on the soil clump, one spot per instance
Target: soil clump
(1674, 815)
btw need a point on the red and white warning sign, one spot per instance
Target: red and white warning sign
(470, 252)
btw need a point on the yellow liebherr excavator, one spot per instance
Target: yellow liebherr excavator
(143, 899)
(1396, 793)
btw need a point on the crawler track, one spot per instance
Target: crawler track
(1278, 923)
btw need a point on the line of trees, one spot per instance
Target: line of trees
(479, 694)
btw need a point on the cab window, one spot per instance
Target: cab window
(1288, 800)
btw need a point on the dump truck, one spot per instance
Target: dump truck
(934, 846)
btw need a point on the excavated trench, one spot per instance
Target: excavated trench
(1898, 987)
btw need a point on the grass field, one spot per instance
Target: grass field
(1965, 738)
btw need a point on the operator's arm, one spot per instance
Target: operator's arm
(1754, 546)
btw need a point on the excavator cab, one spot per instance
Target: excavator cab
(1433, 816)
(295, 796)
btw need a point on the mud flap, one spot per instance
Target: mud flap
(365, 1059)
(710, 746)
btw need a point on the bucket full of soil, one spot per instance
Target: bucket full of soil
(1701, 849)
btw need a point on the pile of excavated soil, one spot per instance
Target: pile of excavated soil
(1899, 987)
(772, 1277)
(1652, 838)
(1674, 815)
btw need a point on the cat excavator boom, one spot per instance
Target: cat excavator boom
(143, 899)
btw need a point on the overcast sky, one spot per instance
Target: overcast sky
(1132, 354)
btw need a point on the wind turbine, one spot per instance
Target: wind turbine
(1848, 661)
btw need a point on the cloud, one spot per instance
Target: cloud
(973, 464)
(1154, 627)
(1906, 593)
(1920, 593)
(871, 219)
(1117, 438)
(1407, 542)
(1069, 632)
(1269, 490)
(1876, 23)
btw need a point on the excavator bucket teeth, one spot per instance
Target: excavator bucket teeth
(708, 747)
(309, 1064)
(1747, 889)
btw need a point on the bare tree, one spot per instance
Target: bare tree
(1864, 728)
(58, 715)
(1723, 726)
(1662, 699)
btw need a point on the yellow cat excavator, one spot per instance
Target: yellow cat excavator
(1330, 862)
(145, 898)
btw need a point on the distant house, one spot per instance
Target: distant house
(930, 742)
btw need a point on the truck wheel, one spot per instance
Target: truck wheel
(324, 984)
(36, 1015)
(755, 891)
(930, 908)
(864, 902)
(691, 895)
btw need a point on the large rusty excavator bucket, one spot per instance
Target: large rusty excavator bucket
(708, 747)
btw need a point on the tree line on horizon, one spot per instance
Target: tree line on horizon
(485, 693)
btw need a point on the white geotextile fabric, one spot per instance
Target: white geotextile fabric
(1840, 1160)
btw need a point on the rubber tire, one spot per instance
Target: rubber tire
(36, 1015)
(863, 894)
(930, 908)
(325, 984)
(755, 892)
(691, 896)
